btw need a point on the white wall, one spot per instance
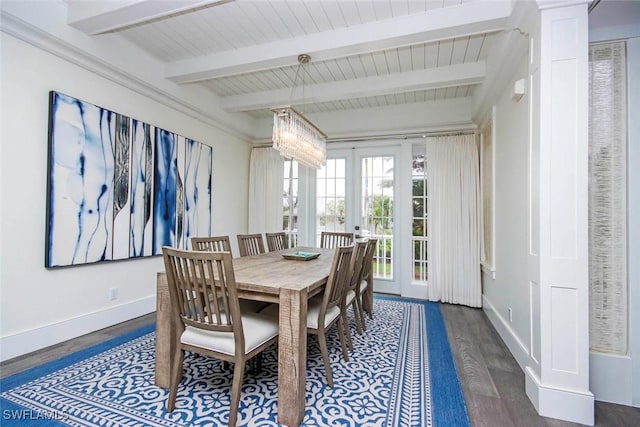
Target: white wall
(41, 307)
(510, 287)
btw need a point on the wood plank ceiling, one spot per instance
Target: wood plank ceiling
(365, 53)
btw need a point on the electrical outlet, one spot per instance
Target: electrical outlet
(510, 314)
(113, 294)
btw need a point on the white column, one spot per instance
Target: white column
(557, 373)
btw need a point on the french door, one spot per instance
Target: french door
(356, 192)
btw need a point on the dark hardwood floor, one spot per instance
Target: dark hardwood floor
(492, 381)
(57, 351)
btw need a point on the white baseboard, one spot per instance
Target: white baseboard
(35, 339)
(385, 288)
(415, 291)
(611, 378)
(517, 348)
(559, 403)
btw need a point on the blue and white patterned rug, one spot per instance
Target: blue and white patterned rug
(400, 373)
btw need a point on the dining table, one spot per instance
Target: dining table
(274, 277)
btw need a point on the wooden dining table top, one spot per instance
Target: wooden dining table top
(269, 272)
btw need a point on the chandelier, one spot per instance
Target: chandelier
(294, 136)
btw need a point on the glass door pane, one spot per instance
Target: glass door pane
(290, 202)
(330, 197)
(419, 215)
(377, 210)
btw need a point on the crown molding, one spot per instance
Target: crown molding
(550, 4)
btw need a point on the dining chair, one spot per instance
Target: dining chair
(250, 244)
(212, 326)
(332, 239)
(352, 296)
(276, 241)
(220, 244)
(366, 284)
(211, 244)
(323, 310)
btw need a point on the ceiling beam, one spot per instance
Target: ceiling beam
(433, 78)
(447, 23)
(99, 17)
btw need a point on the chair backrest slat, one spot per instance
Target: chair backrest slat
(331, 239)
(276, 241)
(357, 265)
(250, 244)
(211, 244)
(368, 259)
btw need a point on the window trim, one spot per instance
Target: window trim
(488, 129)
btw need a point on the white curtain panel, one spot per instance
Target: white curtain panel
(266, 176)
(608, 308)
(453, 205)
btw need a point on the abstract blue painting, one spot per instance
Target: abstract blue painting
(197, 174)
(166, 181)
(141, 231)
(120, 188)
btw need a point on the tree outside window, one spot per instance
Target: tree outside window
(290, 201)
(420, 215)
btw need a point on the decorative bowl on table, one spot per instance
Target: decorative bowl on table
(301, 256)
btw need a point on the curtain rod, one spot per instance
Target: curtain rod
(389, 136)
(420, 135)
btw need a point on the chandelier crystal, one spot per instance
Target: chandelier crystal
(295, 137)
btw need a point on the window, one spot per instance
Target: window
(290, 201)
(419, 228)
(330, 192)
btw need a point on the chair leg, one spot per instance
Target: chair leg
(356, 315)
(367, 297)
(255, 364)
(176, 377)
(341, 335)
(347, 329)
(322, 340)
(360, 310)
(236, 388)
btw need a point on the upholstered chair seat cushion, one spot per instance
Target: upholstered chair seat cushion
(313, 311)
(363, 286)
(350, 297)
(257, 329)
